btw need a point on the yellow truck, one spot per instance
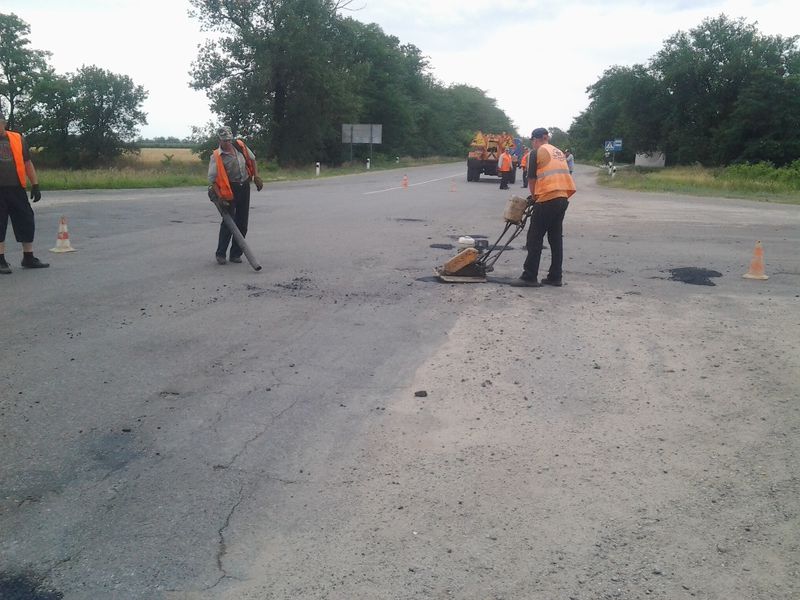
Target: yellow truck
(484, 151)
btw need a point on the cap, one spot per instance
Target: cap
(225, 134)
(539, 132)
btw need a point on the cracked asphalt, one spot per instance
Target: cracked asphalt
(172, 428)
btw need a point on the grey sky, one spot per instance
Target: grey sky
(487, 44)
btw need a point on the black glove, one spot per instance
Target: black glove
(259, 183)
(212, 195)
(36, 194)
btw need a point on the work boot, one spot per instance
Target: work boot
(33, 263)
(221, 259)
(236, 259)
(5, 269)
(522, 282)
(553, 282)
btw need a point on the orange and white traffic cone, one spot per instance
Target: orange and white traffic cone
(405, 182)
(756, 270)
(62, 242)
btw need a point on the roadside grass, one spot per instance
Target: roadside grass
(760, 182)
(179, 167)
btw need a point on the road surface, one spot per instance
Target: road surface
(173, 428)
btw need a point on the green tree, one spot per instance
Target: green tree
(719, 93)
(107, 114)
(21, 67)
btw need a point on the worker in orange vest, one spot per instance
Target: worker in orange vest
(16, 169)
(230, 170)
(551, 186)
(504, 165)
(523, 164)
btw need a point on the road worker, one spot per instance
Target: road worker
(231, 168)
(504, 165)
(16, 169)
(551, 186)
(524, 166)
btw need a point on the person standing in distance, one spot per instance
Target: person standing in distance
(15, 168)
(570, 160)
(504, 165)
(551, 186)
(231, 168)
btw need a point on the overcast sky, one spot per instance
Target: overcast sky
(484, 43)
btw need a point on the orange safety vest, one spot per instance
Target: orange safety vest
(552, 178)
(524, 162)
(505, 162)
(15, 142)
(222, 183)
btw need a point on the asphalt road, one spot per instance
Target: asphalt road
(173, 428)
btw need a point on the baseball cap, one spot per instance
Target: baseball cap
(539, 132)
(224, 133)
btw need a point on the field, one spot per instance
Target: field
(155, 157)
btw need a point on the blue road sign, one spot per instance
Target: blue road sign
(609, 145)
(617, 145)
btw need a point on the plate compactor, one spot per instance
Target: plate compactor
(472, 264)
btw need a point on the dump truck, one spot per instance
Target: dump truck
(484, 151)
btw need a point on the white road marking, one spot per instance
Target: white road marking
(400, 187)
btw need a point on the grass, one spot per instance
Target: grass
(754, 182)
(179, 167)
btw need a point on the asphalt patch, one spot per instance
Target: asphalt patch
(25, 587)
(694, 275)
(443, 246)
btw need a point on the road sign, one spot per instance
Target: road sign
(617, 145)
(609, 145)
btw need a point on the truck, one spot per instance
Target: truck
(484, 151)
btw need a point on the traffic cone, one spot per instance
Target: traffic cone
(452, 185)
(756, 270)
(62, 242)
(405, 182)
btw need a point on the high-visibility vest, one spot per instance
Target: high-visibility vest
(524, 162)
(552, 176)
(222, 182)
(15, 142)
(505, 162)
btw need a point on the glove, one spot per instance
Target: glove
(259, 182)
(212, 195)
(36, 194)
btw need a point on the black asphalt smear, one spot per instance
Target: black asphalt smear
(24, 587)
(474, 236)
(694, 275)
(428, 279)
(402, 220)
(443, 246)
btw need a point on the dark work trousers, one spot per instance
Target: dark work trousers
(240, 211)
(505, 177)
(548, 217)
(525, 177)
(14, 204)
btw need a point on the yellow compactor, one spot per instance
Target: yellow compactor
(472, 264)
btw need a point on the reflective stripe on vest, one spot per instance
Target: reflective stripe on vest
(15, 142)
(554, 177)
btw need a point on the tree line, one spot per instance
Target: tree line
(289, 73)
(720, 94)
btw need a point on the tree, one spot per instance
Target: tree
(20, 66)
(107, 114)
